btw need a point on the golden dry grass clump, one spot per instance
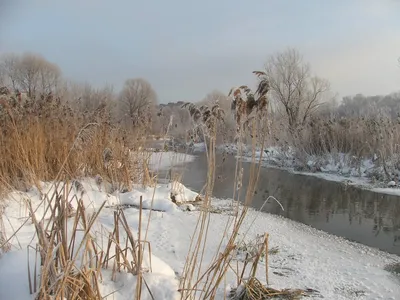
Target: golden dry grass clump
(41, 137)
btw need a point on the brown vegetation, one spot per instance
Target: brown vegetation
(74, 131)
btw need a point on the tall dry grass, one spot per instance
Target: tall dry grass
(200, 280)
(47, 140)
(42, 137)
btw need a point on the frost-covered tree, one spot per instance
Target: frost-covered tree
(295, 92)
(30, 73)
(137, 102)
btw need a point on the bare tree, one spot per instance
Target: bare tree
(294, 90)
(49, 76)
(2, 78)
(217, 97)
(137, 101)
(8, 68)
(88, 98)
(226, 129)
(30, 73)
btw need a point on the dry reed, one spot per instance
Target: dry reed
(48, 141)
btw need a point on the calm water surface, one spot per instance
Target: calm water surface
(359, 215)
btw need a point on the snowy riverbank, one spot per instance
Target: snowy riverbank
(305, 258)
(364, 173)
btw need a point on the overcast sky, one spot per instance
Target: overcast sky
(189, 48)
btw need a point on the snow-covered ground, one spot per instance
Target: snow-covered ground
(340, 167)
(13, 264)
(305, 258)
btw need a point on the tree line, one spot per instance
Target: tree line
(30, 76)
(296, 96)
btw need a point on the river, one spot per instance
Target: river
(356, 214)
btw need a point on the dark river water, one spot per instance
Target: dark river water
(359, 215)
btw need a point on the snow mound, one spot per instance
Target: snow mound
(181, 194)
(164, 199)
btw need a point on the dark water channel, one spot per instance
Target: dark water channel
(359, 215)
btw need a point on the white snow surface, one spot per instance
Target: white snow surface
(307, 258)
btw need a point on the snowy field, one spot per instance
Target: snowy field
(305, 258)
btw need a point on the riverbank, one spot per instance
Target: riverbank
(301, 257)
(304, 258)
(362, 173)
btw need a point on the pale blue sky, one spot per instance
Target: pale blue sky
(189, 48)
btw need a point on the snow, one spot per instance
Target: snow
(163, 196)
(391, 184)
(93, 196)
(306, 258)
(13, 265)
(14, 280)
(388, 191)
(161, 287)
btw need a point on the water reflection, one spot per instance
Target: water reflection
(359, 215)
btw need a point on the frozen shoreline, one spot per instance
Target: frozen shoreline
(306, 257)
(330, 171)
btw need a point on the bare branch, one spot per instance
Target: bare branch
(292, 86)
(137, 101)
(30, 73)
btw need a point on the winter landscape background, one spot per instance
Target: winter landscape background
(203, 151)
